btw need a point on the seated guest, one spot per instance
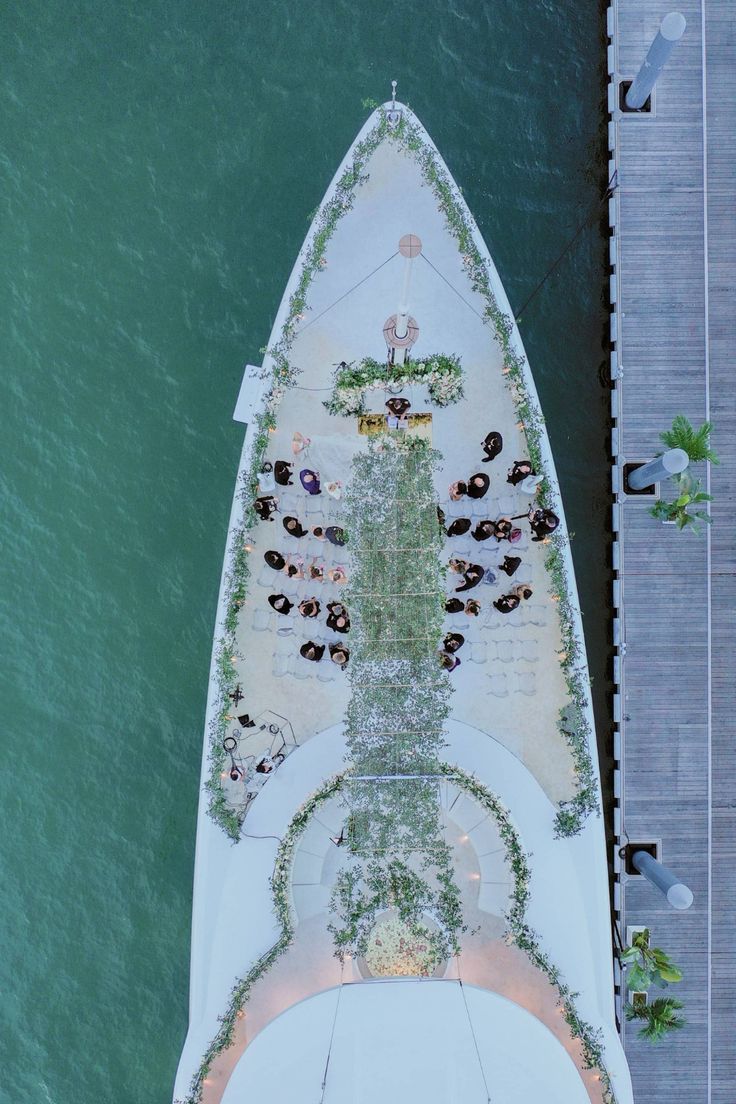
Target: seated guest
(543, 522)
(266, 481)
(458, 528)
(318, 531)
(312, 651)
(265, 765)
(472, 607)
(472, 576)
(310, 481)
(523, 590)
(339, 654)
(492, 445)
(299, 442)
(510, 565)
(275, 560)
(518, 471)
(338, 575)
(503, 528)
(338, 622)
(266, 506)
(309, 607)
(336, 535)
(337, 618)
(483, 530)
(334, 488)
(316, 572)
(458, 490)
(449, 661)
(478, 484)
(293, 568)
(294, 527)
(441, 517)
(454, 605)
(280, 603)
(453, 641)
(398, 406)
(507, 603)
(282, 472)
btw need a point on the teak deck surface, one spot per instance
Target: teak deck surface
(675, 335)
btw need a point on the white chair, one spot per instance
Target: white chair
(498, 686)
(261, 619)
(280, 665)
(504, 650)
(326, 671)
(268, 577)
(537, 613)
(288, 503)
(516, 618)
(507, 505)
(477, 652)
(526, 683)
(313, 506)
(528, 650)
(523, 574)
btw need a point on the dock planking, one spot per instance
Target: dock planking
(675, 333)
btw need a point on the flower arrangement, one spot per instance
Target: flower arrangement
(442, 374)
(395, 950)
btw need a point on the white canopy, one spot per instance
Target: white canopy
(406, 1042)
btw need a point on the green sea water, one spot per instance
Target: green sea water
(159, 162)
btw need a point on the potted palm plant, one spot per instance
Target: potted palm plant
(659, 1017)
(695, 442)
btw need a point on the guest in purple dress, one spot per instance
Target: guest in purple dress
(310, 481)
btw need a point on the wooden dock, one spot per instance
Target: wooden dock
(673, 329)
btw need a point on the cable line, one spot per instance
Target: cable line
(610, 189)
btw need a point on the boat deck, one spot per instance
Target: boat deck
(674, 328)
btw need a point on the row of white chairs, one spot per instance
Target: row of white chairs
(489, 506)
(500, 685)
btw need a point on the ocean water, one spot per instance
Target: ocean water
(159, 162)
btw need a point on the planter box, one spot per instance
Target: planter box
(638, 998)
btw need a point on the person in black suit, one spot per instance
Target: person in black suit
(282, 472)
(294, 527)
(458, 528)
(274, 560)
(280, 603)
(492, 445)
(478, 485)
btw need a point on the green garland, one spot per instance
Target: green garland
(442, 374)
(516, 926)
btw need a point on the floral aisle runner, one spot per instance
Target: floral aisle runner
(398, 857)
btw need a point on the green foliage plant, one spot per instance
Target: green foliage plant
(660, 1017)
(695, 442)
(647, 966)
(680, 510)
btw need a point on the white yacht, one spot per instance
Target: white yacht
(401, 890)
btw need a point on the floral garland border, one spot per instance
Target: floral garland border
(571, 814)
(517, 928)
(442, 373)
